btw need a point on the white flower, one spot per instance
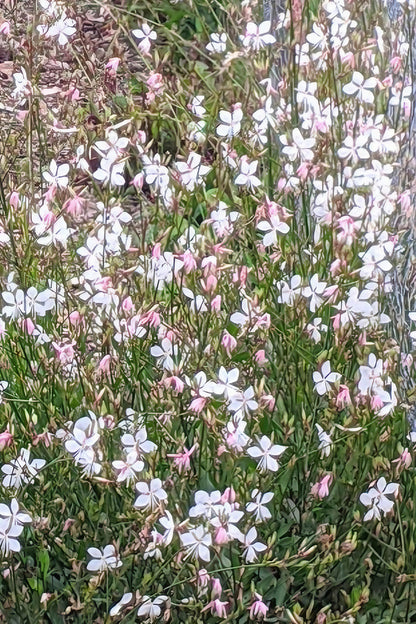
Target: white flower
(314, 292)
(107, 559)
(11, 526)
(242, 403)
(271, 229)
(266, 453)
(206, 504)
(258, 36)
(300, 147)
(354, 149)
(217, 43)
(150, 494)
(315, 328)
(196, 543)
(156, 175)
(223, 223)
(226, 381)
(63, 28)
(252, 548)
(265, 116)
(376, 499)
(247, 176)
(112, 146)
(151, 608)
(127, 469)
(81, 442)
(325, 441)
(370, 376)
(22, 86)
(289, 291)
(145, 35)
(258, 506)
(196, 106)
(165, 354)
(360, 88)
(138, 443)
(110, 172)
(57, 174)
(21, 470)
(168, 524)
(324, 378)
(191, 171)
(231, 122)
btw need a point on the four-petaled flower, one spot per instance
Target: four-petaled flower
(324, 378)
(266, 453)
(377, 498)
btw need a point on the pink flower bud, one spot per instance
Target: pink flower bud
(14, 200)
(155, 81)
(189, 262)
(405, 203)
(28, 326)
(68, 523)
(203, 577)
(268, 401)
(104, 364)
(228, 342)
(6, 439)
(348, 58)
(138, 181)
(216, 304)
(387, 82)
(156, 251)
(221, 536)
(336, 321)
(50, 193)
(5, 28)
(210, 284)
(335, 267)
(404, 460)
(75, 318)
(141, 137)
(260, 357)
(127, 304)
(216, 588)
(362, 338)
(302, 171)
(228, 495)
(395, 64)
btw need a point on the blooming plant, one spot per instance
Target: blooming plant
(207, 308)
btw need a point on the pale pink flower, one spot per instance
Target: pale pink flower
(113, 64)
(321, 488)
(258, 608)
(343, 397)
(404, 460)
(182, 460)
